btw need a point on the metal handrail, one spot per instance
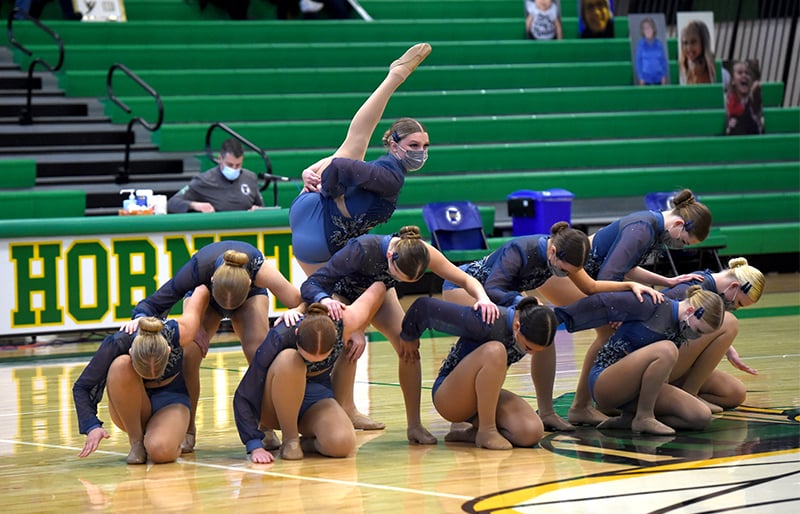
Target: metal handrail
(26, 115)
(124, 176)
(267, 176)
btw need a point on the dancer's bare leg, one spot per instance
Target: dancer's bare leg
(543, 374)
(343, 379)
(370, 113)
(581, 412)
(698, 361)
(388, 321)
(193, 356)
(562, 291)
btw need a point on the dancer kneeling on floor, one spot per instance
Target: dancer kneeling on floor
(147, 395)
(470, 382)
(288, 385)
(631, 369)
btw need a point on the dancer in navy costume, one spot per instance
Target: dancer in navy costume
(288, 384)
(740, 285)
(618, 250)
(631, 369)
(343, 196)
(239, 279)
(469, 386)
(525, 263)
(402, 257)
(147, 395)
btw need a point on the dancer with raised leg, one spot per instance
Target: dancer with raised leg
(343, 196)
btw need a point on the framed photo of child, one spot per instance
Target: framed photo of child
(101, 10)
(543, 19)
(696, 47)
(744, 113)
(595, 19)
(649, 53)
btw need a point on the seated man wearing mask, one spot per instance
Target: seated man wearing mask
(226, 187)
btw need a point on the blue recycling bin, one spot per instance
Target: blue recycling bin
(534, 212)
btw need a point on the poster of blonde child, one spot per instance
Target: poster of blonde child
(696, 47)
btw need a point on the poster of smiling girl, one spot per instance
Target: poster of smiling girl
(696, 48)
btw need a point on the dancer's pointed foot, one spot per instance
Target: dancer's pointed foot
(420, 435)
(491, 440)
(187, 446)
(585, 416)
(364, 422)
(138, 454)
(461, 434)
(408, 62)
(650, 426)
(621, 422)
(271, 441)
(554, 423)
(291, 450)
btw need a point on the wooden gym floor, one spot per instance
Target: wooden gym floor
(749, 458)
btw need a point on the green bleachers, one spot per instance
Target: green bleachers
(208, 55)
(341, 106)
(443, 9)
(492, 129)
(349, 80)
(750, 208)
(279, 31)
(567, 155)
(21, 204)
(17, 173)
(504, 113)
(761, 238)
(730, 184)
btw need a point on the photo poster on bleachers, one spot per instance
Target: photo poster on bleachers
(101, 10)
(649, 53)
(543, 19)
(744, 113)
(595, 19)
(696, 47)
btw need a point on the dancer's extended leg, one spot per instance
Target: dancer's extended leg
(369, 114)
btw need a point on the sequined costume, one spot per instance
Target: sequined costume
(87, 392)
(370, 191)
(624, 244)
(248, 399)
(518, 265)
(464, 322)
(642, 323)
(351, 270)
(197, 272)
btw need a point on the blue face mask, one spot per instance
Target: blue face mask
(230, 173)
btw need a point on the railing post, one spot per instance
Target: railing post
(736, 21)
